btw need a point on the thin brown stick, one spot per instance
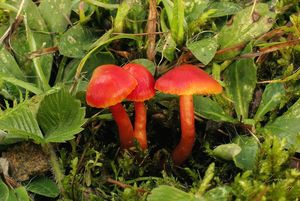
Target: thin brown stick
(41, 52)
(140, 34)
(151, 28)
(122, 185)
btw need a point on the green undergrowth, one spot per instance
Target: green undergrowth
(56, 147)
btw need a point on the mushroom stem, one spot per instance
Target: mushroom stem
(140, 124)
(187, 140)
(124, 125)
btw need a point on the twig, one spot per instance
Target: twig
(151, 28)
(141, 34)
(41, 52)
(122, 185)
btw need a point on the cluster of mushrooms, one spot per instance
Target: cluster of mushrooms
(111, 84)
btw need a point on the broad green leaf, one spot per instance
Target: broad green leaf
(22, 194)
(224, 8)
(287, 126)
(247, 158)
(76, 41)
(169, 193)
(60, 116)
(206, 107)
(19, 122)
(271, 98)
(8, 65)
(177, 23)
(221, 193)
(43, 186)
(240, 79)
(4, 191)
(38, 37)
(245, 27)
(204, 50)
(227, 151)
(56, 14)
(147, 63)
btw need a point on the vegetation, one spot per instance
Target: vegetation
(55, 146)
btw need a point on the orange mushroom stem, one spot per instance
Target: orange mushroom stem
(144, 91)
(124, 125)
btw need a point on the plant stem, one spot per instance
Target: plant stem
(124, 125)
(140, 132)
(56, 168)
(187, 120)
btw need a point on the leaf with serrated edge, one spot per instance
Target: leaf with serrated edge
(271, 98)
(287, 126)
(60, 116)
(43, 186)
(19, 122)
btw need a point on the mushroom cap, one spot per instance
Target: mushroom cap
(109, 85)
(145, 88)
(187, 80)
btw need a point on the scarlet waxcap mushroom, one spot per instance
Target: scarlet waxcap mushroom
(186, 80)
(144, 91)
(145, 88)
(108, 86)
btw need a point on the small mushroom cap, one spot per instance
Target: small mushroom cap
(187, 80)
(145, 88)
(109, 85)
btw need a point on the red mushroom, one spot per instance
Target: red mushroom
(186, 80)
(109, 85)
(144, 91)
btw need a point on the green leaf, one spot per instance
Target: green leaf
(60, 116)
(287, 126)
(8, 64)
(17, 82)
(38, 37)
(147, 63)
(12, 196)
(221, 193)
(224, 8)
(169, 193)
(76, 41)
(167, 47)
(227, 151)
(22, 194)
(177, 29)
(209, 109)
(56, 14)
(204, 50)
(245, 27)
(4, 191)
(43, 186)
(247, 158)
(271, 98)
(240, 79)
(19, 122)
